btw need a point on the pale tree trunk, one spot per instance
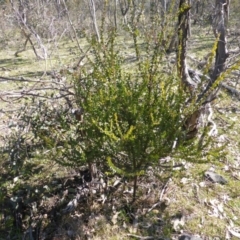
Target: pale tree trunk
(115, 13)
(209, 94)
(220, 32)
(92, 8)
(164, 5)
(221, 14)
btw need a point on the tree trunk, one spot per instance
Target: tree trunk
(124, 7)
(94, 18)
(221, 14)
(221, 53)
(183, 33)
(222, 9)
(190, 124)
(115, 14)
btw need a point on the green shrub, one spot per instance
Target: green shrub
(132, 117)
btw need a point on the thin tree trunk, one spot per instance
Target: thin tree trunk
(183, 33)
(94, 18)
(115, 14)
(221, 12)
(221, 51)
(191, 123)
(24, 46)
(134, 188)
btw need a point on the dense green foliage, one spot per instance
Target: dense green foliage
(131, 118)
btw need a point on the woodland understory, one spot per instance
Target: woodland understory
(119, 119)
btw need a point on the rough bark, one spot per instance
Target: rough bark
(183, 33)
(191, 123)
(221, 13)
(221, 51)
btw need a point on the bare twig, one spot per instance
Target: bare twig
(160, 197)
(73, 28)
(141, 237)
(22, 79)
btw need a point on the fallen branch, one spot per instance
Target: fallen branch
(23, 79)
(141, 237)
(161, 196)
(231, 90)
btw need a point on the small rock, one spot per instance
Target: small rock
(188, 237)
(70, 233)
(215, 177)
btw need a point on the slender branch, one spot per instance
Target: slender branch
(72, 26)
(141, 237)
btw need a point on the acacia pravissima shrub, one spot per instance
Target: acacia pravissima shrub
(133, 117)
